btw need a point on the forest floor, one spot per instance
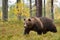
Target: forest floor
(14, 30)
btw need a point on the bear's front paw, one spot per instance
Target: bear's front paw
(26, 33)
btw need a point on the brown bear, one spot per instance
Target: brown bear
(39, 25)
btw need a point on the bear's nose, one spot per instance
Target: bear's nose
(25, 26)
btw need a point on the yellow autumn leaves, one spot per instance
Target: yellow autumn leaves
(20, 9)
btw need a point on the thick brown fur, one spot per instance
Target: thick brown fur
(40, 25)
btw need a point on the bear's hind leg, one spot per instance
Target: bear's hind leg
(44, 32)
(53, 29)
(39, 32)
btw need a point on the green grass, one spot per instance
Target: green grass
(13, 30)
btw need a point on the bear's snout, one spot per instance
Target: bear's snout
(25, 26)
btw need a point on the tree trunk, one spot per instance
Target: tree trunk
(38, 8)
(5, 10)
(52, 13)
(18, 14)
(30, 8)
(44, 9)
(36, 2)
(18, 1)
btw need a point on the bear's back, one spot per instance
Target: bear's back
(46, 21)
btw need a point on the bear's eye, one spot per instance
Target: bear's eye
(29, 19)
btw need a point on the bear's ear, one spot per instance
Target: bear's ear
(24, 19)
(29, 19)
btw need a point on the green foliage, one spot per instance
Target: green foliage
(22, 10)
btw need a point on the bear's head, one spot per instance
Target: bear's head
(28, 23)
